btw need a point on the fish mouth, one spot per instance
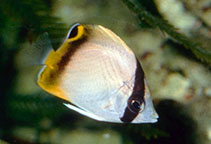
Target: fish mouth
(155, 115)
(153, 118)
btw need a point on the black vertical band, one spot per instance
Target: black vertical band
(137, 95)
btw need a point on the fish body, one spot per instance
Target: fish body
(99, 76)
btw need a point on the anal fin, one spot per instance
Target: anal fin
(83, 112)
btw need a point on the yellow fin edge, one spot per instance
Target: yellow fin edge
(54, 90)
(45, 81)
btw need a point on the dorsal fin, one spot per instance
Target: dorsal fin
(35, 54)
(45, 46)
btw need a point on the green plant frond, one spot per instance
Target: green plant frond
(37, 20)
(201, 53)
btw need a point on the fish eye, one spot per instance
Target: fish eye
(136, 106)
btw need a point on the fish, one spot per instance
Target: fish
(98, 76)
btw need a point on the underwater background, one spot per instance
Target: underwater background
(171, 38)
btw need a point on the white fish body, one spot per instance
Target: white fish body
(100, 75)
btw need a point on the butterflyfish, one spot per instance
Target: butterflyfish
(98, 76)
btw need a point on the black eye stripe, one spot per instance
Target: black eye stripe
(137, 95)
(128, 116)
(73, 32)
